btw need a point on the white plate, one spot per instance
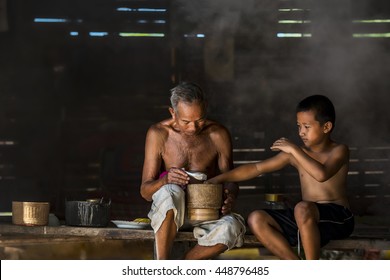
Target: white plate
(132, 225)
(5, 214)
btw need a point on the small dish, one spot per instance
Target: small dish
(131, 225)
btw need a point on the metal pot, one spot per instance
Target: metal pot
(89, 213)
(30, 213)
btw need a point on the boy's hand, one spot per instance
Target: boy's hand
(211, 181)
(284, 145)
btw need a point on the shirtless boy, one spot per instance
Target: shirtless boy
(191, 142)
(323, 214)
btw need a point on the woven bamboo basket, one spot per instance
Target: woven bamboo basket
(204, 201)
(30, 213)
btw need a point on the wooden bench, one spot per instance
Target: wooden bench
(364, 239)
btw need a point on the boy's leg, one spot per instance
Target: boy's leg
(307, 217)
(269, 233)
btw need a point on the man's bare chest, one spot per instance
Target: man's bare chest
(188, 151)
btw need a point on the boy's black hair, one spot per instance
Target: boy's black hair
(322, 107)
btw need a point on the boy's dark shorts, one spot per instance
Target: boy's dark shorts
(336, 222)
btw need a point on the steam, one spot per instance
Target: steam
(271, 75)
(351, 71)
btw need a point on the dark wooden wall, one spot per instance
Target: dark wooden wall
(74, 110)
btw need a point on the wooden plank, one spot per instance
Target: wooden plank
(27, 240)
(354, 244)
(359, 240)
(108, 233)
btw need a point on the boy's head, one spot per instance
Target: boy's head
(321, 106)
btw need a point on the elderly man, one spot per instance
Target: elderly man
(188, 141)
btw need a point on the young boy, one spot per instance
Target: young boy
(323, 214)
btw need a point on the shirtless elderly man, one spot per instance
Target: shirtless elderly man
(191, 142)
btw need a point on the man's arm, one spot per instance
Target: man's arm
(223, 143)
(152, 164)
(151, 182)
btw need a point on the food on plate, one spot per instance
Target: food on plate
(142, 220)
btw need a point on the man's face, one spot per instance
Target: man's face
(189, 117)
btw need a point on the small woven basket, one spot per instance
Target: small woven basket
(30, 213)
(204, 201)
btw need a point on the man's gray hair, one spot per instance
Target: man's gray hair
(187, 92)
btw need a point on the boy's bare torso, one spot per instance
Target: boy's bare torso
(332, 190)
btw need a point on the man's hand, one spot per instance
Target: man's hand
(176, 176)
(228, 202)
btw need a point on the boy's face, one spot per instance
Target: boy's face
(310, 130)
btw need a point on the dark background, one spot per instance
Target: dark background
(74, 108)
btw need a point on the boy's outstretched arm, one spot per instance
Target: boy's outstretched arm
(252, 170)
(241, 173)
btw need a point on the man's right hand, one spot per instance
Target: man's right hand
(176, 176)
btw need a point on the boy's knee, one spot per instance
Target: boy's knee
(257, 217)
(305, 210)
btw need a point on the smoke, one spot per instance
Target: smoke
(350, 70)
(271, 74)
(214, 17)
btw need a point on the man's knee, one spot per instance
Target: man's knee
(229, 223)
(169, 215)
